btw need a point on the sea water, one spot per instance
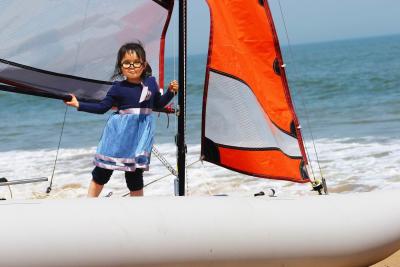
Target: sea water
(347, 97)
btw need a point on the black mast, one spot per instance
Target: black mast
(180, 139)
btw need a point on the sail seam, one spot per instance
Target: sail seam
(258, 149)
(305, 180)
(164, 3)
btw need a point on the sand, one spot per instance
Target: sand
(392, 261)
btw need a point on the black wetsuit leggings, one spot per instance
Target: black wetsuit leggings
(134, 180)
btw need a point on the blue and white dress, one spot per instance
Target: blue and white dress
(128, 136)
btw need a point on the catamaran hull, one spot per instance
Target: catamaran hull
(336, 230)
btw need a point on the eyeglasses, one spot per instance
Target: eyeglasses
(127, 65)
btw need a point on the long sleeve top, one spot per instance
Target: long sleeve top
(125, 95)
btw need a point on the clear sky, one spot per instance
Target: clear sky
(309, 21)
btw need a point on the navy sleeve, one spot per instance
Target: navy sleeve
(161, 101)
(101, 107)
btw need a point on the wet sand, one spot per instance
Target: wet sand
(392, 261)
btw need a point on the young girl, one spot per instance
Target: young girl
(129, 133)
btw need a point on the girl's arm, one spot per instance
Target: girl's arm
(98, 108)
(162, 100)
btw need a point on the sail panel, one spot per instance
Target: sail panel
(249, 124)
(255, 163)
(76, 39)
(238, 106)
(32, 81)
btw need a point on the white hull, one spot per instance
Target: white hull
(336, 230)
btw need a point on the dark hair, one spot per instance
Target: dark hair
(130, 48)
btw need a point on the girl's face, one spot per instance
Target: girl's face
(132, 67)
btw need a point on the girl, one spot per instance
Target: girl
(129, 133)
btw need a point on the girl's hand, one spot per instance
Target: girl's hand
(173, 86)
(73, 103)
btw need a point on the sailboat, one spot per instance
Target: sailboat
(249, 126)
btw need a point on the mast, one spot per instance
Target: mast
(180, 138)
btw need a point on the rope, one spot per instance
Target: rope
(164, 161)
(4, 180)
(11, 194)
(302, 99)
(58, 149)
(158, 179)
(187, 166)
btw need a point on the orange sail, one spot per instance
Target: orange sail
(249, 123)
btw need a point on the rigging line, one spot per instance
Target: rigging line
(169, 174)
(152, 182)
(187, 166)
(66, 107)
(58, 149)
(149, 183)
(4, 179)
(164, 161)
(301, 97)
(184, 95)
(9, 189)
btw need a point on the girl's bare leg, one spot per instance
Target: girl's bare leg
(94, 189)
(137, 193)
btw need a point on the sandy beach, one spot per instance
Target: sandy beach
(392, 261)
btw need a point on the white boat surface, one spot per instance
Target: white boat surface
(356, 229)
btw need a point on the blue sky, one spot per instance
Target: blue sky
(309, 21)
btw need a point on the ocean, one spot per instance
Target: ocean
(347, 98)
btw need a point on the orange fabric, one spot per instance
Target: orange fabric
(268, 164)
(243, 46)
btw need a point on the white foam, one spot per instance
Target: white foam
(348, 165)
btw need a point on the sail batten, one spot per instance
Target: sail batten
(249, 123)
